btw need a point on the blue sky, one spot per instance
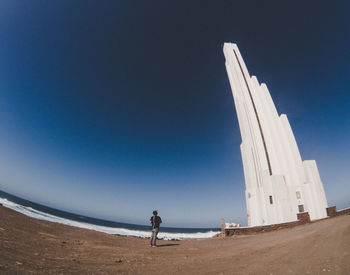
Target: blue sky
(112, 109)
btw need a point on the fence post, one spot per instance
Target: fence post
(222, 227)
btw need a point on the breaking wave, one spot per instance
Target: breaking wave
(31, 212)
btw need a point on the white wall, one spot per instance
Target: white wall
(267, 138)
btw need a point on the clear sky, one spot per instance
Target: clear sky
(114, 108)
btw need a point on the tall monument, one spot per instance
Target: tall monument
(279, 184)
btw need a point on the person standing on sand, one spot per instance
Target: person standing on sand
(155, 221)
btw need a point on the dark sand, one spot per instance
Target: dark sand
(32, 246)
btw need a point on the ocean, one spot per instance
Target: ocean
(46, 213)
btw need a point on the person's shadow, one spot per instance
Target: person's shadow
(168, 244)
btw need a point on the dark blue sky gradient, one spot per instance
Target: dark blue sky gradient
(114, 108)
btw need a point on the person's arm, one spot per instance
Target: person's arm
(150, 220)
(160, 220)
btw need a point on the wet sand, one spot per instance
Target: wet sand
(32, 246)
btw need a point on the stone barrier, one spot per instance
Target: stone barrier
(303, 218)
(332, 211)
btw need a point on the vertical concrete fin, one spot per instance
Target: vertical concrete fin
(278, 184)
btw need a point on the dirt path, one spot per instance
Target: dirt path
(29, 245)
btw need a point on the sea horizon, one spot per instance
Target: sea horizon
(43, 212)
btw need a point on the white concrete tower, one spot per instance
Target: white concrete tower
(278, 183)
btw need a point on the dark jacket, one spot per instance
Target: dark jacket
(155, 221)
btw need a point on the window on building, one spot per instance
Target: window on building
(271, 201)
(298, 195)
(301, 208)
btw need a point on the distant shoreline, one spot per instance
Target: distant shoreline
(42, 212)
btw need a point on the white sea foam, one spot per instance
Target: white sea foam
(28, 211)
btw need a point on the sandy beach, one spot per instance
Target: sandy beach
(30, 246)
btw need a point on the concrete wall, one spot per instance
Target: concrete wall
(273, 167)
(303, 218)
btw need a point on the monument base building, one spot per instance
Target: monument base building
(279, 184)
